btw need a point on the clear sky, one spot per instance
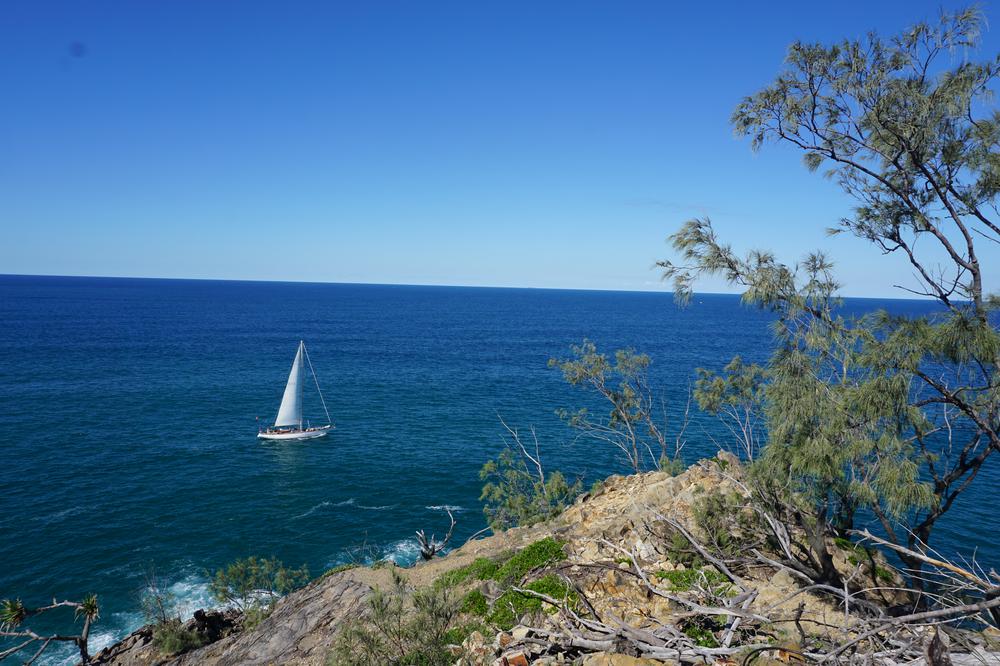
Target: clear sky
(542, 144)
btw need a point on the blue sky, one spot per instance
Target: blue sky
(536, 144)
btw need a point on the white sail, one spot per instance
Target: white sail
(290, 412)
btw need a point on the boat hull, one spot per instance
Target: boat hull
(309, 433)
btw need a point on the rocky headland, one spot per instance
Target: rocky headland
(611, 581)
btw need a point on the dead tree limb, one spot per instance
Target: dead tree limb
(431, 547)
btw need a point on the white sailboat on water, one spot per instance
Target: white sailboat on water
(289, 424)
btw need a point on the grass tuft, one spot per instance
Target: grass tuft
(535, 556)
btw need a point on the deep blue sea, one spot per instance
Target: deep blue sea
(127, 413)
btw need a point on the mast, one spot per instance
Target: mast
(290, 411)
(316, 380)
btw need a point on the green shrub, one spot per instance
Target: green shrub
(403, 627)
(475, 603)
(339, 568)
(171, 638)
(680, 551)
(672, 466)
(254, 584)
(514, 496)
(683, 580)
(725, 521)
(483, 568)
(457, 635)
(534, 556)
(860, 556)
(513, 605)
(703, 636)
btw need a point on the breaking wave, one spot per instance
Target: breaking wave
(404, 552)
(347, 502)
(190, 593)
(446, 507)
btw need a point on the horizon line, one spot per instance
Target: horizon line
(423, 284)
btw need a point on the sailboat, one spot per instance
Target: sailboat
(289, 424)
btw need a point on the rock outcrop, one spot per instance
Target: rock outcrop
(606, 535)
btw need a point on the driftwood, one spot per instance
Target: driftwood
(937, 635)
(431, 547)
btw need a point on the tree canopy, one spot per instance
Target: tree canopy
(895, 414)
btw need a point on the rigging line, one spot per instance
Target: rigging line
(316, 379)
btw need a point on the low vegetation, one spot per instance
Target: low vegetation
(518, 490)
(253, 584)
(159, 608)
(508, 609)
(402, 626)
(339, 568)
(171, 638)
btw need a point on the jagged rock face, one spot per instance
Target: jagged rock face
(300, 630)
(601, 533)
(137, 648)
(303, 626)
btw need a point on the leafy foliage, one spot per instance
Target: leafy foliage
(702, 629)
(636, 420)
(893, 414)
(12, 613)
(535, 556)
(171, 638)
(729, 526)
(512, 605)
(737, 397)
(517, 495)
(253, 585)
(403, 626)
(475, 603)
(682, 580)
(339, 568)
(509, 568)
(482, 568)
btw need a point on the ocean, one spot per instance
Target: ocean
(128, 414)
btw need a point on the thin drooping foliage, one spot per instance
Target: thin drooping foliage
(892, 413)
(736, 399)
(253, 584)
(636, 422)
(518, 490)
(401, 626)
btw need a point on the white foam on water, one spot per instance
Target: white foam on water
(60, 516)
(446, 507)
(116, 627)
(347, 502)
(376, 508)
(404, 552)
(102, 639)
(313, 510)
(190, 594)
